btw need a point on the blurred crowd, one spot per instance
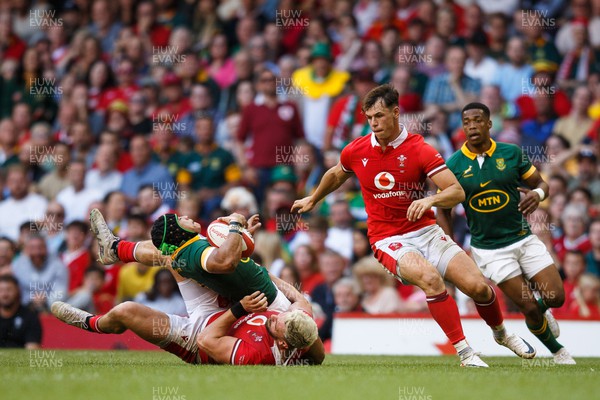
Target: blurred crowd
(206, 107)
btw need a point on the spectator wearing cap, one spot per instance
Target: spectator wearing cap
(543, 81)
(377, 286)
(21, 206)
(575, 126)
(177, 105)
(145, 171)
(346, 121)
(579, 63)
(117, 119)
(479, 66)
(452, 90)
(43, 278)
(587, 173)
(77, 197)
(19, 326)
(271, 127)
(320, 84)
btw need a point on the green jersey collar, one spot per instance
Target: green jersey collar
(465, 150)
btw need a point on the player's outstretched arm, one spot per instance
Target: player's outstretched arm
(214, 339)
(451, 193)
(331, 181)
(533, 197)
(298, 301)
(224, 259)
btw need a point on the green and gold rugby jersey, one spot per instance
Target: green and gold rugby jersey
(492, 198)
(247, 278)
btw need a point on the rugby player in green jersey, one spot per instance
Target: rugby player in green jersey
(206, 276)
(502, 244)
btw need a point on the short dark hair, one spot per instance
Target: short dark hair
(576, 252)
(583, 190)
(95, 268)
(78, 224)
(167, 235)
(386, 93)
(10, 279)
(477, 106)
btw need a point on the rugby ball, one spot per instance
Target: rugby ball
(217, 232)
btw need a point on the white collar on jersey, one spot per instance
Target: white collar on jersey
(396, 142)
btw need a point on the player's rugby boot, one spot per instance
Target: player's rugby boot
(107, 253)
(563, 357)
(517, 345)
(71, 315)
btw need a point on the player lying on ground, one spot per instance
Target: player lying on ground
(269, 338)
(501, 243)
(392, 166)
(191, 256)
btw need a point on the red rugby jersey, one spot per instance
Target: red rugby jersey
(391, 180)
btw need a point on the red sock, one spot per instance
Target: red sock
(125, 251)
(93, 324)
(490, 312)
(445, 312)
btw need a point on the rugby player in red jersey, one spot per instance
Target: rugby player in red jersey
(238, 337)
(392, 166)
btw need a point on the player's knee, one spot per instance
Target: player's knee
(555, 298)
(432, 281)
(479, 291)
(123, 311)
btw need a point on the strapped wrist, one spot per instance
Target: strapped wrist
(238, 310)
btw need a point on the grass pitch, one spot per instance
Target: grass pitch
(130, 375)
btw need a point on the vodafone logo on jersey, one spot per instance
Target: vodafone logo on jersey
(384, 181)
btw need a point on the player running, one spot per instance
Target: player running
(392, 166)
(501, 243)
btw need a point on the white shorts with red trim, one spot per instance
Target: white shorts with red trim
(526, 257)
(201, 303)
(430, 242)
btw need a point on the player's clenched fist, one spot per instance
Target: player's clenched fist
(255, 302)
(417, 208)
(303, 205)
